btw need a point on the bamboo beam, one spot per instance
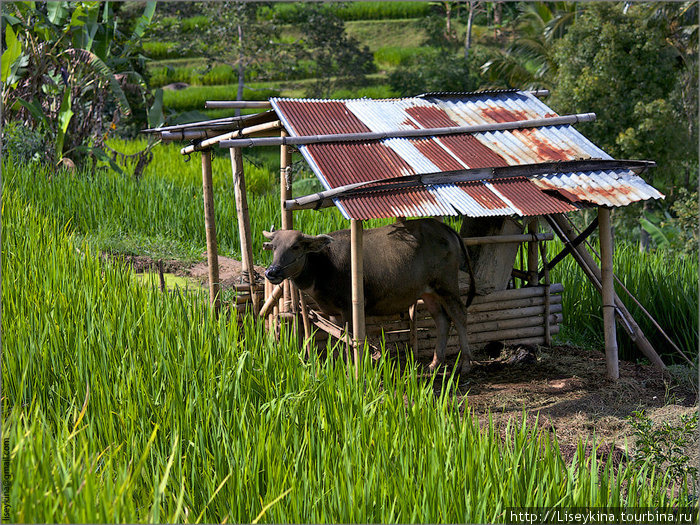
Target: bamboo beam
(505, 239)
(214, 140)
(210, 228)
(517, 293)
(271, 300)
(608, 292)
(589, 266)
(237, 104)
(358, 295)
(423, 132)
(547, 294)
(532, 258)
(243, 219)
(324, 199)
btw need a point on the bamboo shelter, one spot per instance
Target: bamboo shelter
(502, 161)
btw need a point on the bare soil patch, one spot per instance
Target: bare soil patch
(566, 390)
(229, 272)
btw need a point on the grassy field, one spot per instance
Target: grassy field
(123, 404)
(161, 216)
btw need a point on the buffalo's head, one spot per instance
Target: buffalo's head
(289, 250)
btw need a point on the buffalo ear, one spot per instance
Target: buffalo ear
(317, 243)
(269, 235)
(267, 246)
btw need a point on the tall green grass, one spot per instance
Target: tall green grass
(123, 404)
(194, 97)
(161, 216)
(664, 283)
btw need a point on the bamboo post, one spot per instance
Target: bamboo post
(244, 234)
(608, 292)
(358, 295)
(589, 266)
(547, 294)
(210, 227)
(532, 260)
(285, 193)
(271, 300)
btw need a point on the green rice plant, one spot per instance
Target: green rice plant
(161, 50)
(125, 404)
(195, 23)
(384, 10)
(394, 56)
(382, 91)
(665, 285)
(193, 98)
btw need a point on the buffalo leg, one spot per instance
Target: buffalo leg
(458, 313)
(442, 323)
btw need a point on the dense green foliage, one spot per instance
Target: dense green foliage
(122, 404)
(622, 67)
(73, 71)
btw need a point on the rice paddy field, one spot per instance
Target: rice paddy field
(121, 403)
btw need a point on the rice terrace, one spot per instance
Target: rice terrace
(394, 262)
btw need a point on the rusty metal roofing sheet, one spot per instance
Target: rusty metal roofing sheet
(338, 164)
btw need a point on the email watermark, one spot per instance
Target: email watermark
(594, 516)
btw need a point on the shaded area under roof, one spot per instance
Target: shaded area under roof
(342, 163)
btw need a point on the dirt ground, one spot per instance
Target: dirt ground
(564, 387)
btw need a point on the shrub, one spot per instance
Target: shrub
(25, 145)
(666, 445)
(434, 71)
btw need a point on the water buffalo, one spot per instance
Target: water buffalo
(403, 262)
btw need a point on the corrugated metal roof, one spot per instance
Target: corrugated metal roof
(341, 163)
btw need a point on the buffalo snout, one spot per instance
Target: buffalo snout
(274, 274)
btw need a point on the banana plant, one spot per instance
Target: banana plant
(62, 64)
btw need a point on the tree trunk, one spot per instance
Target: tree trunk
(448, 20)
(497, 19)
(468, 36)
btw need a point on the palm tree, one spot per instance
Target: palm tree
(528, 62)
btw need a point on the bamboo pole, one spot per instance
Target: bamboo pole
(532, 258)
(422, 132)
(499, 324)
(237, 104)
(271, 300)
(589, 266)
(244, 233)
(210, 227)
(285, 193)
(513, 294)
(496, 315)
(643, 310)
(547, 295)
(214, 140)
(608, 292)
(358, 295)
